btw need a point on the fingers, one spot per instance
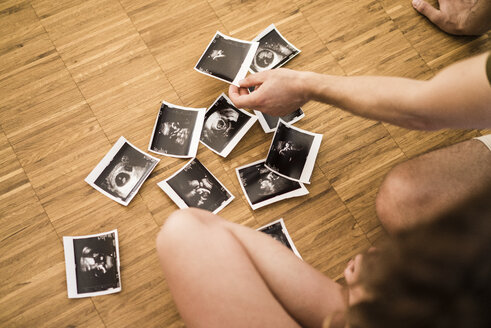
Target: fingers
(429, 11)
(253, 80)
(241, 97)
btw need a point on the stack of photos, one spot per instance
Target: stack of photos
(277, 230)
(273, 50)
(225, 125)
(92, 264)
(227, 59)
(176, 131)
(293, 152)
(195, 186)
(120, 174)
(263, 187)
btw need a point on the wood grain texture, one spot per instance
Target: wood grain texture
(76, 75)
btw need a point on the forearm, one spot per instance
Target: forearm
(388, 99)
(457, 97)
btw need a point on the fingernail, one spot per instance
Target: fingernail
(416, 3)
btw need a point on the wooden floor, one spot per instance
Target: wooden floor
(77, 75)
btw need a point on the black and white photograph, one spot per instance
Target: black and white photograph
(262, 187)
(92, 264)
(194, 186)
(225, 125)
(121, 173)
(273, 51)
(293, 152)
(269, 123)
(177, 130)
(277, 230)
(226, 58)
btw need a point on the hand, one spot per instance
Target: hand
(460, 17)
(277, 92)
(352, 275)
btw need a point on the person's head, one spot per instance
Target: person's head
(434, 275)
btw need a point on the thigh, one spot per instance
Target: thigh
(217, 281)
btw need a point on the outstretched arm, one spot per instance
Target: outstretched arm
(459, 96)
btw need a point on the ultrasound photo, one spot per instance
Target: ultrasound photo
(262, 187)
(176, 131)
(277, 230)
(227, 59)
(225, 125)
(269, 123)
(195, 186)
(273, 50)
(120, 174)
(293, 152)
(92, 264)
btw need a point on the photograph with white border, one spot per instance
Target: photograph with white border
(121, 173)
(277, 230)
(195, 186)
(262, 187)
(227, 59)
(269, 123)
(92, 264)
(225, 125)
(273, 51)
(176, 131)
(293, 152)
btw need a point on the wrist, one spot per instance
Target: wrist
(307, 85)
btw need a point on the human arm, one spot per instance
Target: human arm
(460, 17)
(459, 96)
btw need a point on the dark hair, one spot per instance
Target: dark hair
(435, 275)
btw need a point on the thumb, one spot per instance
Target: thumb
(428, 10)
(253, 80)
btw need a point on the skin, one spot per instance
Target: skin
(222, 274)
(459, 17)
(459, 96)
(225, 275)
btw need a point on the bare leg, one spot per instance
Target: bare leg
(424, 187)
(225, 275)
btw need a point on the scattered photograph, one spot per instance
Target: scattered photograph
(176, 131)
(269, 123)
(262, 187)
(273, 51)
(92, 264)
(277, 230)
(225, 125)
(194, 186)
(226, 58)
(121, 173)
(293, 152)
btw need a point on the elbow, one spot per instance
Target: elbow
(421, 123)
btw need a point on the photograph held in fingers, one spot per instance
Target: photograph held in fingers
(227, 59)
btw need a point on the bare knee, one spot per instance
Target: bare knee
(399, 199)
(182, 225)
